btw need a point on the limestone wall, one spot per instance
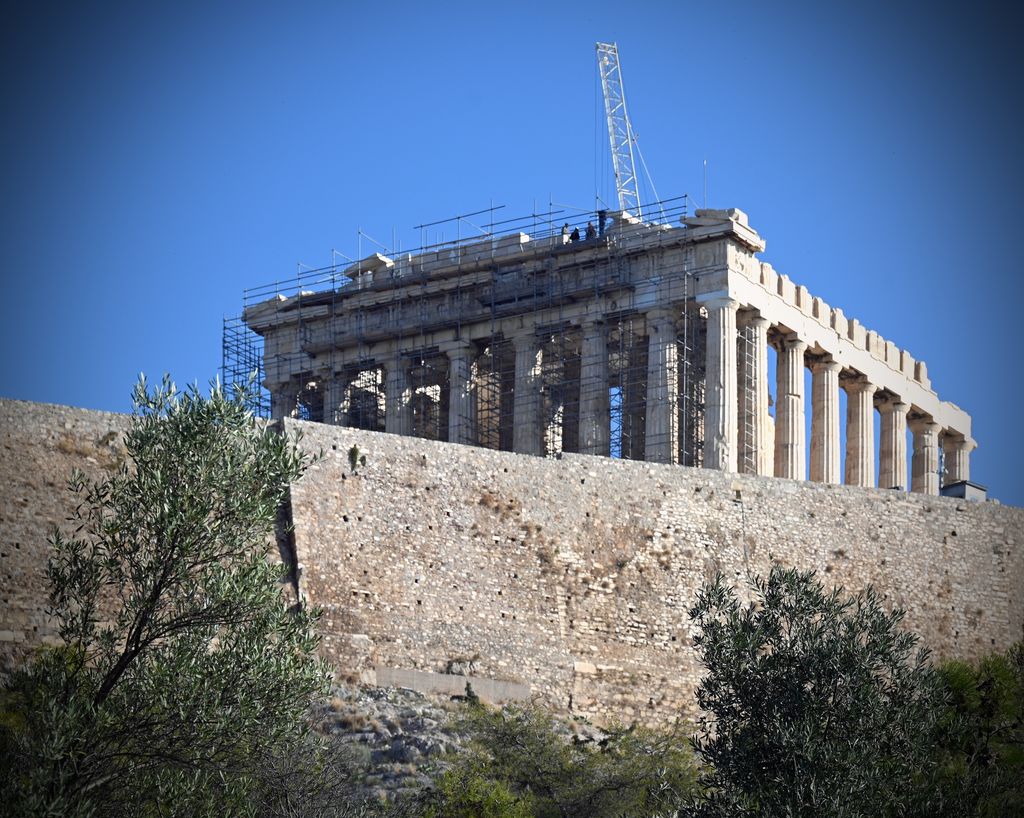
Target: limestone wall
(574, 576)
(569, 576)
(40, 444)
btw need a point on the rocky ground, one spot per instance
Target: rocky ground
(398, 740)
(395, 738)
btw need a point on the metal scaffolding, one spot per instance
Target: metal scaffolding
(242, 364)
(315, 306)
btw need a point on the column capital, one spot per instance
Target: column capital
(281, 386)
(752, 318)
(859, 384)
(662, 314)
(662, 322)
(893, 404)
(958, 442)
(524, 340)
(923, 425)
(793, 341)
(826, 365)
(722, 302)
(458, 346)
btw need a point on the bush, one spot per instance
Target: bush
(982, 745)
(520, 758)
(817, 705)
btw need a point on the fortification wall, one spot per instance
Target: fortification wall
(569, 576)
(574, 576)
(40, 445)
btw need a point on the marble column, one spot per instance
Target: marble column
(461, 411)
(594, 411)
(634, 401)
(571, 403)
(720, 407)
(336, 399)
(825, 457)
(957, 454)
(526, 435)
(661, 424)
(397, 399)
(790, 435)
(892, 445)
(284, 400)
(860, 432)
(925, 460)
(754, 425)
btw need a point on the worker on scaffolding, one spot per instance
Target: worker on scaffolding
(565, 233)
(591, 232)
(575, 235)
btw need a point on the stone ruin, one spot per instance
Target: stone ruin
(648, 341)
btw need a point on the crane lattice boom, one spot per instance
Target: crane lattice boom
(620, 132)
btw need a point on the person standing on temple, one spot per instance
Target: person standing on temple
(591, 232)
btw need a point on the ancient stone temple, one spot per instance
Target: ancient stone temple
(646, 340)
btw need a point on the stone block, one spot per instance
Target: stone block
(787, 290)
(892, 355)
(921, 375)
(857, 334)
(839, 323)
(712, 254)
(744, 262)
(907, 363)
(403, 265)
(494, 691)
(769, 278)
(803, 299)
(875, 344)
(712, 215)
(821, 311)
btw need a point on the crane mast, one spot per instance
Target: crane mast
(620, 131)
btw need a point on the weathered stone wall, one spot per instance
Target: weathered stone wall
(574, 576)
(570, 576)
(40, 445)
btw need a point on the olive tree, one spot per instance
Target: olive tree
(181, 670)
(816, 703)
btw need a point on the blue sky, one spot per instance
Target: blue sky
(157, 159)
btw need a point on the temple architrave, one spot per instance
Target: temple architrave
(647, 341)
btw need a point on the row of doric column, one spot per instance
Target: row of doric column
(739, 433)
(827, 378)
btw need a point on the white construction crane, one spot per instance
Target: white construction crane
(620, 131)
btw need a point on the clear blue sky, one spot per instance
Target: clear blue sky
(156, 161)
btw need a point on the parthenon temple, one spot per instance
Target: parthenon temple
(649, 340)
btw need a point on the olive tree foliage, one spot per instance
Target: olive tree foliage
(815, 704)
(522, 763)
(180, 670)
